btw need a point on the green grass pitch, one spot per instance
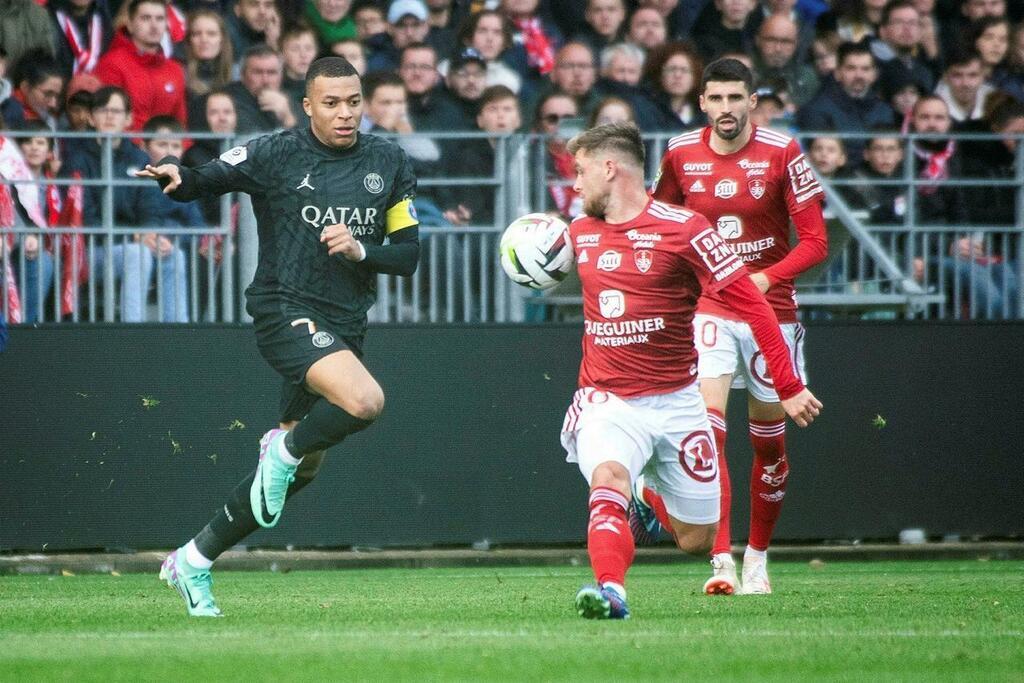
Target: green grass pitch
(877, 621)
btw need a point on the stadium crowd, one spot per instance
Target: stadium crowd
(875, 67)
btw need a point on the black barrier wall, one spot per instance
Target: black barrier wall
(131, 436)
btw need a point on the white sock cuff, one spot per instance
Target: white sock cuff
(755, 554)
(196, 558)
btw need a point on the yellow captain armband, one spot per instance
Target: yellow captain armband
(401, 215)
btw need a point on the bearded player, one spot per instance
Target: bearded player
(643, 264)
(750, 182)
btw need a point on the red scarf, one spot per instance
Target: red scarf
(85, 58)
(936, 165)
(9, 285)
(30, 113)
(177, 27)
(71, 245)
(565, 168)
(540, 54)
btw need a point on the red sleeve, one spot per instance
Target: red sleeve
(713, 262)
(666, 184)
(108, 73)
(811, 249)
(801, 184)
(744, 298)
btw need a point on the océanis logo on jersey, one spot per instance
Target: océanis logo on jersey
(643, 240)
(754, 168)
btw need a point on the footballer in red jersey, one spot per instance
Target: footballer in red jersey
(643, 265)
(750, 182)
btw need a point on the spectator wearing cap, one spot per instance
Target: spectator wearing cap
(136, 63)
(429, 107)
(78, 111)
(466, 81)
(490, 34)
(83, 32)
(260, 104)
(407, 24)
(330, 19)
(898, 48)
(770, 111)
(775, 58)
(38, 84)
(24, 26)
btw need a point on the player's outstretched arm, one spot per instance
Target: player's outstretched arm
(810, 250)
(167, 175)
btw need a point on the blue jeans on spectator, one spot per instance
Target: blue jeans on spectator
(40, 267)
(995, 285)
(133, 266)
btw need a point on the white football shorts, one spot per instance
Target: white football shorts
(727, 347)
(667, 437)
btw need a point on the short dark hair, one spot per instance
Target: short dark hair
(893, 6)
(79, 98)
(849, 49)
(464, 34)
(258, 50)
(962, 56)
(379, 79)
(36, 126)
(1005, 112)
(495, 93)
(727, 70)
(329, 67)
(155, 123)
(623, 138)
(35, 66)
(102, 97)
(296, 30)
(133, 6)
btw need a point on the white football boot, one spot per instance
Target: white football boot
(755, 576)
(723, 579)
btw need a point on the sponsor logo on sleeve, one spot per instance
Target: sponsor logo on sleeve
(235, 155)
(726, 188)
(716, 254)
(802, 178)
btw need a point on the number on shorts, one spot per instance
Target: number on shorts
(709, 333)
(310, 325)
(699, 448)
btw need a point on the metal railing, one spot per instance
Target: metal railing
(906, 270)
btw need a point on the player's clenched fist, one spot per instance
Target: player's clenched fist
(339, 240)
(160, 172)
(803, 407)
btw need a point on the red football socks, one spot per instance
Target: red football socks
(767, 480)
(723, 539)
(609, 539)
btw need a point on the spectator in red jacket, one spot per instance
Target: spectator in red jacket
(136, 63)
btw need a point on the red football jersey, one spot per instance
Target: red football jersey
(641, 281)
(749, 196)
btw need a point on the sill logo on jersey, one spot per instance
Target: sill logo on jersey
(609, 261)
(726, 188)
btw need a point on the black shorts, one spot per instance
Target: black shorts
(291, 345)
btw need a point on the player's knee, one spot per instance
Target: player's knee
(610, 475)
(696, 540)
(367, 405)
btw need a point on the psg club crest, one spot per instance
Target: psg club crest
(643, 258)
(373, 183)
(757, 187)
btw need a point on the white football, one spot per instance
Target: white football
(535, 251)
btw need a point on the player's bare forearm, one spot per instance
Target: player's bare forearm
(803, 407)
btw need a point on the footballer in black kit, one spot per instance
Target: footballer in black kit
(334, 207)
